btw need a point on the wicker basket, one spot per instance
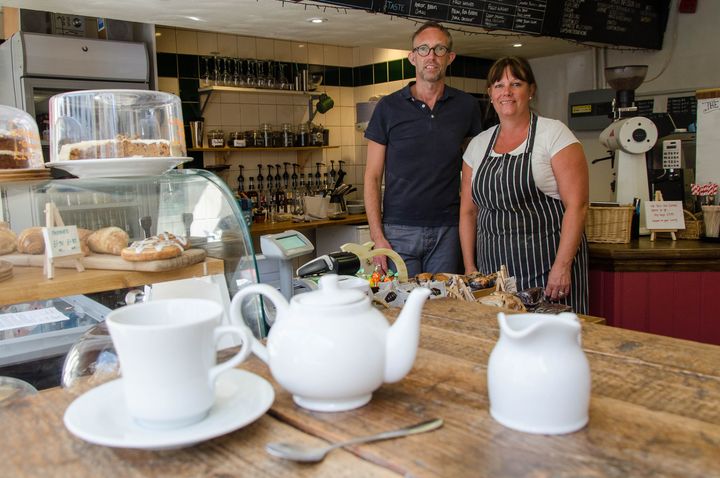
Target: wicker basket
(609, 224)
(694, 226)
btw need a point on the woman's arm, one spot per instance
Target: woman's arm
(571, 173)
(468, 221)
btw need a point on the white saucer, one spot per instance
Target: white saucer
(100, 417)
(118, 167)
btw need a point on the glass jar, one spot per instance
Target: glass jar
(266, 135)
(236, 139)
(316, 136)
(252, 137)
(216, 138)
(303, 135)
(287, 136)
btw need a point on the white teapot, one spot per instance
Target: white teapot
(331, 348)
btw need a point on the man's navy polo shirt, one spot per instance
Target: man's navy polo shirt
(423, 156)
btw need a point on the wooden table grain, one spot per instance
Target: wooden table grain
(655, 411)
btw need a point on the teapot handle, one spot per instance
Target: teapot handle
(277, 299)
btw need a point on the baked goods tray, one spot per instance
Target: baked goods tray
(108, 261)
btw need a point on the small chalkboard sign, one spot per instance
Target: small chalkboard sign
(664, 216)
(60, 241)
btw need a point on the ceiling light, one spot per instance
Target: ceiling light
(517, 45)
(317, 20)
(195, 19)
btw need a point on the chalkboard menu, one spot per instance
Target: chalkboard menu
(635, 23)
(683, 110)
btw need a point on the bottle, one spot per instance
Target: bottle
(254, 197)
(333, 174)
(317, 184)
(241, 182)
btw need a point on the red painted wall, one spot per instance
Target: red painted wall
(685, 305)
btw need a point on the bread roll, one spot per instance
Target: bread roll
(83, 235)
(31, 241)
(108, 240)
(8, 240)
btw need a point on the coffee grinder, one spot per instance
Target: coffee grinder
(629, 137)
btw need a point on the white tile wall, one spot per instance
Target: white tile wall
(234, 111)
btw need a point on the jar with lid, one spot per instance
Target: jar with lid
(316, 135)
(236, 139)
(287, 136)
(216, 138)
(266, 135)
(252, 137)
(303, 135)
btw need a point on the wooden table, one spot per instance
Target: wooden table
(655, 411)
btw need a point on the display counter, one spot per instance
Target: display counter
(665, 287)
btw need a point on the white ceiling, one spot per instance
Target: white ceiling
(287, 20)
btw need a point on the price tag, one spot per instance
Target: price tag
(61, 241)
(664, 215)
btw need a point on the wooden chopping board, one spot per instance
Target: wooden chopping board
(108, 261)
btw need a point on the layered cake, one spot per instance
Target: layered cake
(120, 147)
(15, 152)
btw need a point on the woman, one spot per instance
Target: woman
(525, 194)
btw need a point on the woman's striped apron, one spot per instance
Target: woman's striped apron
(519, 226)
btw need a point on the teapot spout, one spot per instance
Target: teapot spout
(403, 337)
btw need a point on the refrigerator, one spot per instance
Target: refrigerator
(36, 66)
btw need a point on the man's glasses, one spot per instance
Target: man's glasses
(424, 50)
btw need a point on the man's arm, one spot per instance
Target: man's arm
(374, 170)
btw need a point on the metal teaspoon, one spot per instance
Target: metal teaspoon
(307, 454)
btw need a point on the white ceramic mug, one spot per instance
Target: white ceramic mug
(167, 352)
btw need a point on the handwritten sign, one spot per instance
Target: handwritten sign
(664, 215)
(62, 241)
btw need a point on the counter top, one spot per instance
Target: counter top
(260, 229)
(656, 256)
(29, 283)
(654, 411)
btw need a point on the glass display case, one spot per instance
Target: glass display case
(42, 318)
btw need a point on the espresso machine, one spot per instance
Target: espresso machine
(629, 137)
(671, 168)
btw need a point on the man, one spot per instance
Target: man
(415, 139)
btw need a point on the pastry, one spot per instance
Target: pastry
(31, 241)
(478, 280)
(108, 240)
(120, 147)
(167, 236)
(441, 277)
(423, 277)
(152, 249)
(8, 241)
(502, 299)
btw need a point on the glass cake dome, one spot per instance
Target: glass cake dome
(19, 140)
(116, 125)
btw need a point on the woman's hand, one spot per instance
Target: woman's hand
(559, 279)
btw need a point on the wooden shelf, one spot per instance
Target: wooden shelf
(236, 89)
(29, 283)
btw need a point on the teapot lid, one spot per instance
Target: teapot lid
(330, 294)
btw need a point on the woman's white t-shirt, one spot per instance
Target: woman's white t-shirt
(551, 136)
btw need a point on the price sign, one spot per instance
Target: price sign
(62, 241)
(664, 215)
